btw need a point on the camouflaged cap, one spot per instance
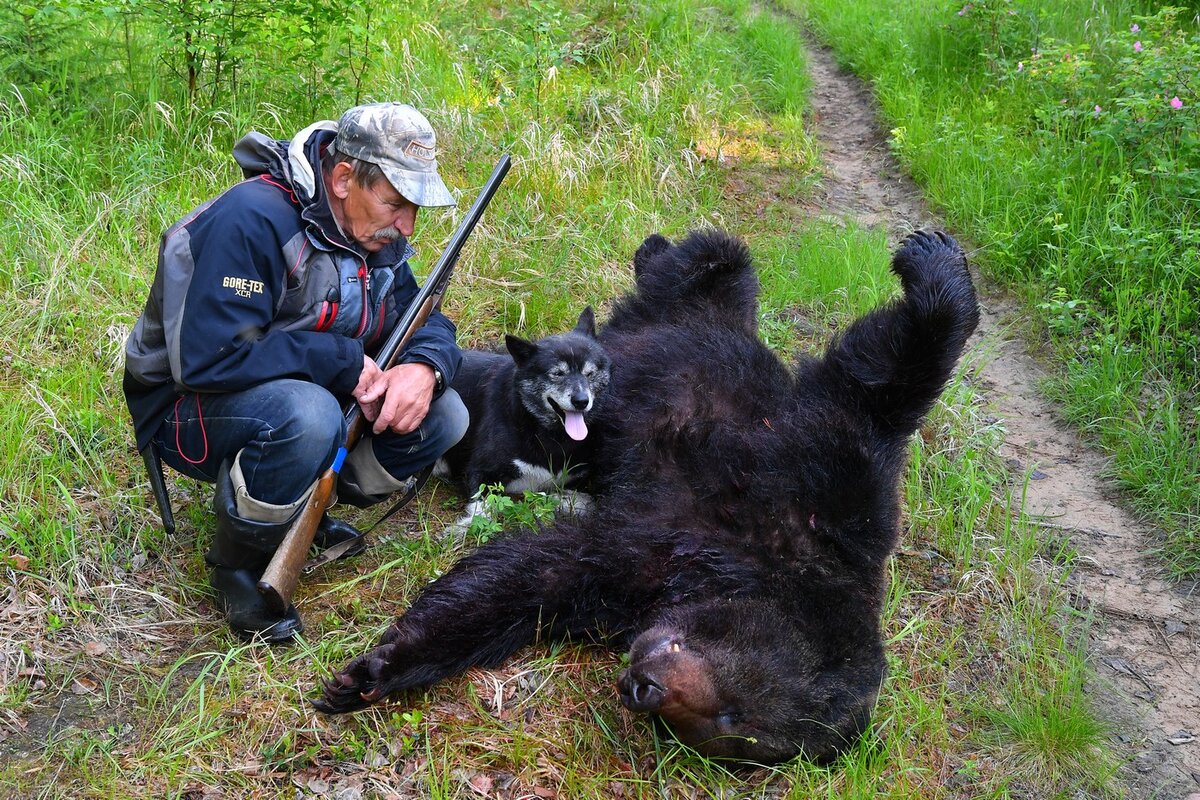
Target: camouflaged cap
(400, 140)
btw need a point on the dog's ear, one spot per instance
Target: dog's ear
(587, 323)
(522, 350)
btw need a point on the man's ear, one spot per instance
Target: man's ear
(340, 179)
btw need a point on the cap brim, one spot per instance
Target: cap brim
(423, 188)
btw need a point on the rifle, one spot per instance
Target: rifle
(278, 582)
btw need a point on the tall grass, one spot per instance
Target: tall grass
(623, 120)
(1045, 133)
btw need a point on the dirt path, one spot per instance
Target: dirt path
(1144, 640)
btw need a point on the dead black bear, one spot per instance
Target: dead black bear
(745, 513)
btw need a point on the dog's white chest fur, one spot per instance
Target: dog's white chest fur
(532, 477)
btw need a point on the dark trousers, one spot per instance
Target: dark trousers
(287, 432)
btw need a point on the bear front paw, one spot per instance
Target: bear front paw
(359, 685)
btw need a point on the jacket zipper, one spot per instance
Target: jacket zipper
(364, 285)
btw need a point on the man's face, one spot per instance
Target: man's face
(376, 215)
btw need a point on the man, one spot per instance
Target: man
(263, 315)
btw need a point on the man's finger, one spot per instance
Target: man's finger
(373, 392)
(407, 423)
(369, 410)
(387, 412)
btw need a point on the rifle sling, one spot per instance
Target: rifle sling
(335, 552)
(422, 478)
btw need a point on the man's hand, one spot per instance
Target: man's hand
(366, 379)
(370, 373)
(399, 398)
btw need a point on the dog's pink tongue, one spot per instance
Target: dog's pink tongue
(576, 427)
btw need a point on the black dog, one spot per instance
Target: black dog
(740, 542)
(529, 412)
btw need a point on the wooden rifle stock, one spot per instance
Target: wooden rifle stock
(278, 582)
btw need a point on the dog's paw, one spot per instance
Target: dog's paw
(459, 528)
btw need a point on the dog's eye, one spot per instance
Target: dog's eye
(589, 371)
(557, 372)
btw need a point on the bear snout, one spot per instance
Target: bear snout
(640, 692)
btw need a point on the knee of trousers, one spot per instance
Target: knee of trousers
(381, 465)
(310, 422)
(445, 424)
(306, 427)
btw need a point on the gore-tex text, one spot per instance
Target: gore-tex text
(242, 287)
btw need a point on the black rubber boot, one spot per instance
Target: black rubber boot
(245, 610)
(335, 531)
(240, 551)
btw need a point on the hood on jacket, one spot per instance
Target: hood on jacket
(296, 163)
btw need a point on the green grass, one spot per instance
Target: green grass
(1090, 215)
(667, 116)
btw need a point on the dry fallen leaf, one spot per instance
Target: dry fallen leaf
(84, 686)
(482, 784)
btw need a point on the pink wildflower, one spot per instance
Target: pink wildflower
(1176, 103)
(1134, 28)
(1137, 47)
(1096, 112)
(1020, 66)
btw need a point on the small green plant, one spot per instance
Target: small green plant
(1065, 316)
(32, 36)
(996, 29)
(503, 511)
(407, 725)
(544, 36)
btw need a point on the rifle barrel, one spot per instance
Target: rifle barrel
(279, 580)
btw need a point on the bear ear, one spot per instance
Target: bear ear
(522, 350)
(587, 323)
(651, 247)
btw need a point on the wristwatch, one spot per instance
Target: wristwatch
(439, 383)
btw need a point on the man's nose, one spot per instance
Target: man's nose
(406, 220)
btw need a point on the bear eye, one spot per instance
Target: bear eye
(729, 717)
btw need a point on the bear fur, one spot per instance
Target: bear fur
(745, 513)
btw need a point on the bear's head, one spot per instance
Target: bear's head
(739, 679)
